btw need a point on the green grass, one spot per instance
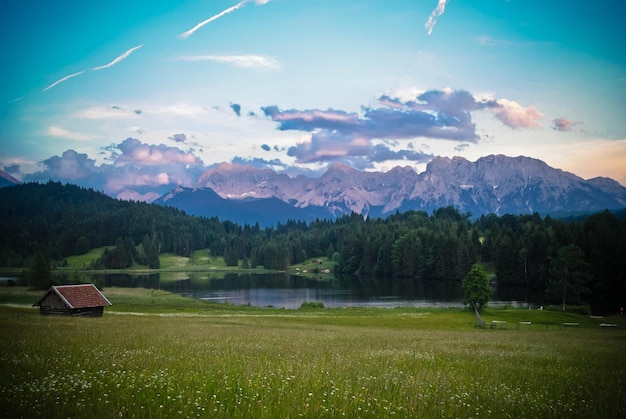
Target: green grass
(84, 261)
(203, 257)
(170, 260)
(155, 354)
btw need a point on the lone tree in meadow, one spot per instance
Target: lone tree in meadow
(476, 288)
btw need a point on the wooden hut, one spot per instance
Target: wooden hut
(73, 300)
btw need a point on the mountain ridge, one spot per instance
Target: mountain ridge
(7, 180)
(492, 184)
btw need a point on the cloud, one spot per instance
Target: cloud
(138, 153)
(236, 108)
(61, 80)
(119, 58)
(432, 19)
(179, 138)
(106, 112)
(241, 61)
(131, 165)
(224, 12)
(132, 195)
(13, 169)
(382, 153)
(56, 131)
(434, 114)
(311, 120)
(514, 115)
(325, 146)
(118, 112)
(136, 165)
(274, 164)
(112, 63)
(563, 124)
(70, 167)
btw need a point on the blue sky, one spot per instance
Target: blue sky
(131, 95)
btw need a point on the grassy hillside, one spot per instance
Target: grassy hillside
(155, 354)
(84, 261)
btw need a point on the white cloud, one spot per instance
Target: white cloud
(61, 80)
(432, 20)
(243, 61)
(142, 111)
(224, 12)
(106, 112)
(56, 131)
(119, 58)
(231, 9)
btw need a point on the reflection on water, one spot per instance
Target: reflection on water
(290, 291)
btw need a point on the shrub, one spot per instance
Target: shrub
(311, 304)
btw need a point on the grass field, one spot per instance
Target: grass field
(155, 354)
(84, 261)
(199, 258)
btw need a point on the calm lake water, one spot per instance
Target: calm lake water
(290, 291)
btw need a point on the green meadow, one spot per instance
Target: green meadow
(199, 261)
(155, 354)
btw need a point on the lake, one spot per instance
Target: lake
(290, 291)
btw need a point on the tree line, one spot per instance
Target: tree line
(580, 260)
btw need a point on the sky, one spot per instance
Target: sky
(132, 97)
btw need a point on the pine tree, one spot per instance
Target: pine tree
(40, 272)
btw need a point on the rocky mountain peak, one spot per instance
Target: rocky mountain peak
(492, 184)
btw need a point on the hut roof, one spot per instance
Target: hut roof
(77, 296)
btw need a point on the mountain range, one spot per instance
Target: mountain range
(7, 180)
(493, 184)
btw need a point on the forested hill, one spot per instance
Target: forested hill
(580, 261)
(64, 220)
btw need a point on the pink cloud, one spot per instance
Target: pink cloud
(563, 124)
(133, 166)
(125, 179)
(514, 115)
(153, 155)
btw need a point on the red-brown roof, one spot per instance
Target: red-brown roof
(78, 296)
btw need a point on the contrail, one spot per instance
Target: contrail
(432, 20)
(118, 59)
(231, 9)
(62, 80)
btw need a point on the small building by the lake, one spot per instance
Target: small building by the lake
(73, 300)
